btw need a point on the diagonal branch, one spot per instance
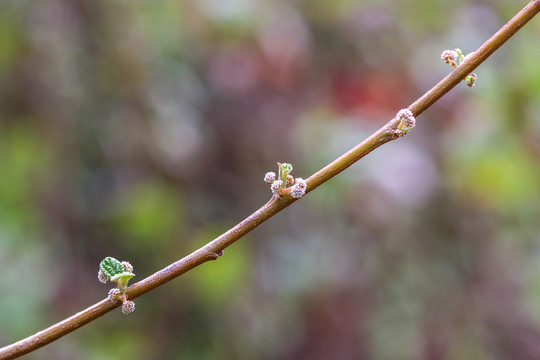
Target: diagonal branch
(213, 249)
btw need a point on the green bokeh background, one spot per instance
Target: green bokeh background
(143, 129)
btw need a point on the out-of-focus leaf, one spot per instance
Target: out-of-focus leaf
(25, 162)
(502, 175)
(10, 40)
(149, 213)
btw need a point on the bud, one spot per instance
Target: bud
(276, 186)
(450, 57)
(471, 79)
(114, 294)
(290, 181)
(284, 171)
(127, 266)
(407, 121)
(270, 177)
(128, 307)
(102, 277)
(299, 188)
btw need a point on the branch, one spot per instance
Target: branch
(213, 249)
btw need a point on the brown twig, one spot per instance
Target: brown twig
(213, 249)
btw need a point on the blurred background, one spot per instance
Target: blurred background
(143, 129)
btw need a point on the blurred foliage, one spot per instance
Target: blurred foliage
(142, 130)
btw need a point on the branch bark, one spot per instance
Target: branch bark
(277, 203)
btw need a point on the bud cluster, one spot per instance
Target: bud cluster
(451, 57)
(407, 121)
(120, 273)
(284, 181)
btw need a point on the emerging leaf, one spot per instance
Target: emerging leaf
(111, 267)
(114, 270)
(122, 280)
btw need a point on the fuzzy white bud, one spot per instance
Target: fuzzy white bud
(449, 56)
(128, 306)
(407, 118)
(114, 294)
(270, 177)
(299, 188)
(276, 185)
(127, 266)
(102, 277)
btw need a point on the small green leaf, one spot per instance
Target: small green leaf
(117, 272)
(460, 55)
(122, 280)
(284, 171)
(111, 267)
